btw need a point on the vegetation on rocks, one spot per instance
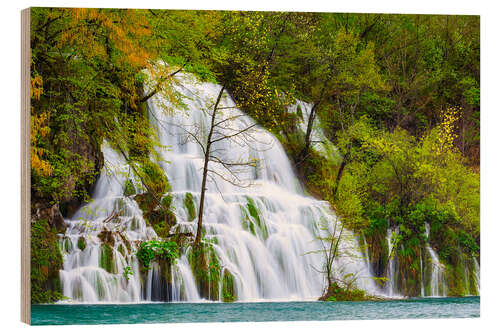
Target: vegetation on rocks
(209, 274)
(160, 217)
(189, 203)
(152, 250)
(46, 261)
(337, 293)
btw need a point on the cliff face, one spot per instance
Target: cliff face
(74, 185)
(47, 219)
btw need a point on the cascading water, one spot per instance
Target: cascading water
(433, 281)
(100, 242)
(391, 286)
(437, 281)
(477, 273)
(264, 235)
(320, 142)
(432, 273)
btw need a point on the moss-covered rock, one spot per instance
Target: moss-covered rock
(376, 243)
(154, 177)
(107, 237)
(126, 241)
(46, 261)
(122, 250)
(166, 201)
(189, 204)
(228, 289)
(252, 221)
(460, 278)
(207, 271)
(67, 244)
(299, 111)
(81, 243)
(157, 257)
(160, 218)
(106, 259)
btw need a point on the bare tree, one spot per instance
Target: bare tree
(221, 128)
(330, 250)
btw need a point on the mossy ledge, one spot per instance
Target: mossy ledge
(160, 218)
(46, 261)
(189, 203)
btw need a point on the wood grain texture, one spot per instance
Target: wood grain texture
(25, 167)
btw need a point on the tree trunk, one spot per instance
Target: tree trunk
(205, 170)
(339, 175)
(310, 122)
(303, 154)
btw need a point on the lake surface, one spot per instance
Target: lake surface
(88, 314)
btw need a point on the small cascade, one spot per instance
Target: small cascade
(422, 288)
(265, 236)
(437, 283)
(183, 286)
(391, 285)
(477, 272)
(101, 240)
(95, 247)
(321, 143)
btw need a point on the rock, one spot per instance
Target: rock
(52, 214)
(106, 236)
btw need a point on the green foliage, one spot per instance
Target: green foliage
(46, 261)
(154, 177)
(84, 66)
(378, 220)
(166, 201)
(127, 272)
(129, 188)
(228, 288)
(407, 183)
(159, 216)
(337, 293)
(152, 250)
(207, 270)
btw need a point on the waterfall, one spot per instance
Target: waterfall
(391, 285)
(477, 273)
(437, 282)
(320, 142)
(264, 235)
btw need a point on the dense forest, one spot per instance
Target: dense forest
(398, 97)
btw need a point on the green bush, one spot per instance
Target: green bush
(157, 250)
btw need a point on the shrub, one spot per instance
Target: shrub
(157, 250)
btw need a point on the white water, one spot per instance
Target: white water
(437, 282)
(391, 284)
(477, 273)
(273, 263)
(318, 139)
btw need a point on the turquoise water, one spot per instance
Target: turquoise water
(59, 314)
